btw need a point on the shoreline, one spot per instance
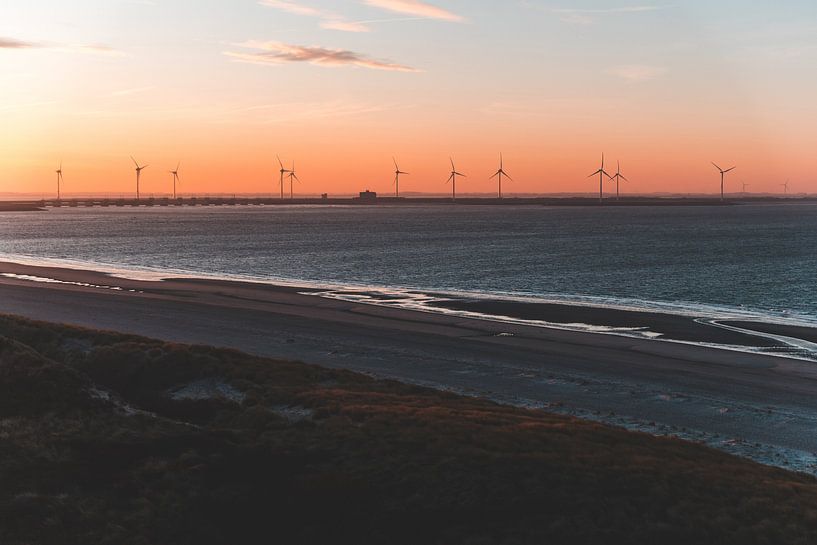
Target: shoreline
(756, 405)
(167, 201)
(694, 323)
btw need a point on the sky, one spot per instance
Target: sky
(664, 87)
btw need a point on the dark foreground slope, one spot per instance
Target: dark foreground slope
(106, 438)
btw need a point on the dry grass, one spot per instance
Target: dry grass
(365, 461)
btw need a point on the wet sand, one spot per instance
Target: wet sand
(806, 333)
(755, 405)
(670, 326)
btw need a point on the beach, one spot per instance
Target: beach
(751, 404)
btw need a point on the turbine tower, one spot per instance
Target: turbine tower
(745, 185)
(786, 187)
(292, 178)
(139, 170)
(723, 176)
(59, 180)
(453, 179)
(397, 173)
(618, 176)
(601, 173)
(500, 173)
(283, 172)
(175, 174)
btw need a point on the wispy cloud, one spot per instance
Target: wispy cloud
(132, 91)
(344, 26)
(588, 16)
(98, 49)
(636, 72)
(299, 111)
(415, 8)
(329, 19)
(11, 43)
(297, 9)
(279, 53)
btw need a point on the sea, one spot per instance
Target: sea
(748, 261)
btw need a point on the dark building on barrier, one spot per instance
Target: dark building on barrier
(368, 196)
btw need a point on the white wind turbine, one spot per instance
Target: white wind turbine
(723, 175)
(397, 173)
(499, 174)
(601, 173)
(139, 170)
(453, 179)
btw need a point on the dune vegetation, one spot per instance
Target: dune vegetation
(108, 438)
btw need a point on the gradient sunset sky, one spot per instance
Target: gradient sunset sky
(341, 87)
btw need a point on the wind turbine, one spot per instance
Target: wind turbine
(59, 180)
(723, 175)
(175, 174)
(139, 170)
(453, 179)
(283, 172)
(397, 173)
(602, 173)
(745, 185)
(618, 176)
(786, 187)
(292, 177)
(500, 173)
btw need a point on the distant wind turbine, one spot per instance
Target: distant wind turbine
(175, 174)
(500, 173)
(601, 173)
(139, 170)
(59, 180)
(283, 172)
(397, 173)
(292, 178)
(745, 185)
(618, 176)
(453, 179)
(785, 187)
(723, 175)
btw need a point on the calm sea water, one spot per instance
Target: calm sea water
(759, 258)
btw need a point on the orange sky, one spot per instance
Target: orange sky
(341, 87)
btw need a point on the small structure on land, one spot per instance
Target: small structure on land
(368, 196)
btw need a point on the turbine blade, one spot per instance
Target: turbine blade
(623, 178)
(395, 164)
(279, 162)
(716, 166)
(495, 175)
(730, 170)
(508, 177)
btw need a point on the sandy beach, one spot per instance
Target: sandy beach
(752, 404)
